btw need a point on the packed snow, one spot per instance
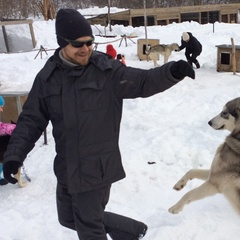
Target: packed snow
(169, 130)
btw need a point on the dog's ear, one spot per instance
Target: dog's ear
(148, 47)
(238, 111)
(147, 50)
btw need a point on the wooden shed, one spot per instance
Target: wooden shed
(202, 14)
(224, 58)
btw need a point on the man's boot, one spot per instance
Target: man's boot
(3, 182)
(190, 62)
(197, 64)
(123, 228)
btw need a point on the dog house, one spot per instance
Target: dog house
(141, 47)
(224, 58)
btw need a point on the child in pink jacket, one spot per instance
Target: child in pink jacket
(6, 130)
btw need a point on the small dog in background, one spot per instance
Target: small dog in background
(224, 174)
(161, 49)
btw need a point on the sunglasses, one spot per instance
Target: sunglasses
(79, 44)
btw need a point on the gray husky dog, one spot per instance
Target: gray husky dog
(224, 175)
(161, 49)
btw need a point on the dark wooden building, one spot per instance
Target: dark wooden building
(227, 13)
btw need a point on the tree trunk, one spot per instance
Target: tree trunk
(48, 9)
(108, 18)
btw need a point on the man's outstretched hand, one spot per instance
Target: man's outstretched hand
(182, 69)
(10, 168)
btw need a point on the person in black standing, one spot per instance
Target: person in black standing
(193, 48)
(81, 91)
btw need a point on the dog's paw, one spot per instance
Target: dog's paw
(175, 209)
(18, 177)
(179, 185)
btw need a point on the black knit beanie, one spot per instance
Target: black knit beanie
(70, 24)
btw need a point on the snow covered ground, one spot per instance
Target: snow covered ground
(169, 129)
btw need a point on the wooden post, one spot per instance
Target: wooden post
(145, 26)
(32, 35)
(234, 64)
(108, 16)
(5, 38)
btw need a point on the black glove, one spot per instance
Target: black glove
(182, 69)
(10, 168)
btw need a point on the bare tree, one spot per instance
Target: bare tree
(48, 9)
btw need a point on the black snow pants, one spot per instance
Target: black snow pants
(84, 212)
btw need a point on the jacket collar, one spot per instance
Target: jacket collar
(99, 59)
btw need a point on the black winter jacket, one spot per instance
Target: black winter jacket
(84, 106)
(193, 46)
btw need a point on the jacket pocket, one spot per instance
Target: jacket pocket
(103, 168)
(91, 170)
(111, 166)
(92, 96)
(53, 98)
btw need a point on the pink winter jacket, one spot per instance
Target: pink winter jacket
(6, 128)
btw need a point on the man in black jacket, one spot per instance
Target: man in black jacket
(193, 48)
(81, 92)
